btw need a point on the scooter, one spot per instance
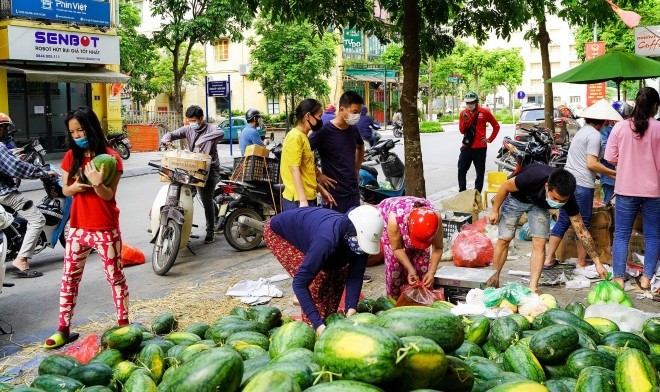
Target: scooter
(514, 155)
(373, 191)
(375, 138)
(121, 144)
(397, 130)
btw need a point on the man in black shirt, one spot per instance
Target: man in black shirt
(535, 190)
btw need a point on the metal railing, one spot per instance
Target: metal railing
(165, 120)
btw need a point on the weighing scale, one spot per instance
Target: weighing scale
(458, 281)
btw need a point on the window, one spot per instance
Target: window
(536, 82)
(555, 66)
(571, 49)
(500, 101)
(575, 99)
(221, 49)
(556, 98)
(273, 105)
(554, 49)
(534, 51)
(574, 64)
(535, 67)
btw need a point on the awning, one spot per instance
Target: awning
(365, 78)
(39, 73)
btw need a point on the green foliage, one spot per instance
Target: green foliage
(430, 127)
(164, 77)
(291, 59)
(137, 54)
(391, 56)
(504, 117)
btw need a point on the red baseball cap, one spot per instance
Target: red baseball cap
(423, 224)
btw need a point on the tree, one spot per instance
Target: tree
(190, 22)
(137, 54)
(391, 59)
(506, 70)
(164, 77)
(291, 60)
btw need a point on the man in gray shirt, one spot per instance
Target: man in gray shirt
(201, 137)
(583, 162)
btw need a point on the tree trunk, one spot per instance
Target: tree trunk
(415, 184)
(544, 42)
(178, 77)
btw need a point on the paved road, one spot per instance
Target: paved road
(31, 307)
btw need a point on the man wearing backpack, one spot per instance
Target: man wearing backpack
(472, 124)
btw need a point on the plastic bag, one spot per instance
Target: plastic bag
(524, 234)
(479, 225)
(417, 294)
(131, 255)
(472, 249)
(628, 319)
(608, 292)
(513, 292)
(85, 349)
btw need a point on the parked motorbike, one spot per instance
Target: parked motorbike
(244, 207)
(375, 127)
(121, 144)
(397, 130)
(373, 191)
(514, 155)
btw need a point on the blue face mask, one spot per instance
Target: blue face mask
(194, 126)
(82, 142)
(353, 244)
(552, 203)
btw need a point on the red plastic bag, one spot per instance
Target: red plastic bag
(131, 255)
(417, 294)
(84, 349)
(472, 249)
(479, 225)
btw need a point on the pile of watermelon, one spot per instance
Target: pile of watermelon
(392, 349)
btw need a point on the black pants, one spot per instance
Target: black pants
(465, 160)
(206, 194)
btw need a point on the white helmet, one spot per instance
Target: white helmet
(369, 226)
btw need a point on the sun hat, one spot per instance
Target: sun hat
(601, 110)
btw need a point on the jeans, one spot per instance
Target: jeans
(206, 194)
(36, 221)
(585, 200)
(625, 212)
(467, 157)
(292, 205)
(608, 193)
(510, 213)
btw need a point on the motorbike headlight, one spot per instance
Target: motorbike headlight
(183, 178)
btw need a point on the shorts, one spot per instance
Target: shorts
(510, 213)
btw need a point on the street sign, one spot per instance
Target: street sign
(521, 95)
(217, 89)
(454, 79)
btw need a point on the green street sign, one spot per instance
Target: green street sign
(353, 41)
(453, 79)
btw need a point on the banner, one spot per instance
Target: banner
(647, 41)
(27, 43)
(353, 41)
(92, 12)
(596, 91)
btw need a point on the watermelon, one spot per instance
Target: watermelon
(93, 373)
(558, 316)
(53, 382)
(520, 386)
(58, 364)
(249, 337)
(173, 354)
(334, 318)
(107, 163)
(554, 343)
(585, 341)
(97, 388)
(385, 303)
(140, 381)
(152, 358)
(520, 359)
(442, 327)
(468, 349)
(359, 352)
(560, 385)
(251, 366)
(162, 343)
(504, 332)
(299, 354)
(458, 378)
(367, 305)
(110, 357)
(249, 351)
(424, 364)
(651, 330)
(559, 370)
(476, 329)
(210, 370)
(595, 378)
(295, 334)
(219, 332)
(299, 372)
(577, 308)
(362, 318)
(272, 380)
(583, 358)
(125, 339)
(190, 351)
(343, 386)
(626, 340)
(484, 385)
(198, 329)
(483, 368)
(123, 370)
(491, 351)
(521, 320)
(185, 338)
(602, 325)
(634, 372)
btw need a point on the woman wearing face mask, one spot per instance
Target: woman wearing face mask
(325, 251)
(297, 167)
(94, 220)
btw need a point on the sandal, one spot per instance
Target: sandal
(58, 340)
(28, 273)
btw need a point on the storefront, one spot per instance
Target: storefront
(47, 72)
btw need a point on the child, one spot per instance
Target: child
(94, 220)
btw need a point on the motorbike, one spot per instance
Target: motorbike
(32, 151)
(375, 127)
(55, 207)
(121, 144)
(373, 191)
(514, 155)
(244, 207)
(397, 130)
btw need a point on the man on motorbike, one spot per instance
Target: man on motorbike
(397, 119)
(366, 127)
(250, 134)
(12, 167)
(329, 113)
(202, 137)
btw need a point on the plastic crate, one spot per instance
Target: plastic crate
(255, 168)
(452, 226)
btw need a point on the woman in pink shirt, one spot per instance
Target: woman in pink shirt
(634, 148)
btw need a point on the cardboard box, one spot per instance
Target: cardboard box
(196, 164)
(600, 229)
(636, 245)
(638, 225)
(256, 150)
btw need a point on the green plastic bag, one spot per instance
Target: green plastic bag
(513, 292)
(608, 292)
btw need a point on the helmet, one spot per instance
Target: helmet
(471, 97)
(369, 226)
(4, 119)
(330, 108)
(251, 114)
(423, 224)
(623, 108)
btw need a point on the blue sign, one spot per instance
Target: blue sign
(89, 12)
(217, 89)
(521, 95)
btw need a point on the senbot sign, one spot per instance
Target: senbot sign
(62, 46)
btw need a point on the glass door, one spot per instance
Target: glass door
(57, 114)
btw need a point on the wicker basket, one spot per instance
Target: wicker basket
(255, 168)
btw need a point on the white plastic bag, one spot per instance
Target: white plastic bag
(628, 319)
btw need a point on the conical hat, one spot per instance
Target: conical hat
(601, 110)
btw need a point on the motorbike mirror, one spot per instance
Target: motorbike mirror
(28, 204)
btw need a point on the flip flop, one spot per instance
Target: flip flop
(28, 273)
(557, 264)
(60, 340)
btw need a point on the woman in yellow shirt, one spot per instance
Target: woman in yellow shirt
(297, 167)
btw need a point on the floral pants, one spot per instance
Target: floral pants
(78, 245)
(326, 288)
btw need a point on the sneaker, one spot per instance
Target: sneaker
(210, 237)
(366, 278)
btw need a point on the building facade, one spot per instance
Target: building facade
(56, 56)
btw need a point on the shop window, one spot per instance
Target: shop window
(221, 49)
(273, 105)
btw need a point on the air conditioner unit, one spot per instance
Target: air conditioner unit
(243, 69)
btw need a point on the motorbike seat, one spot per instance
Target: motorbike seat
(278, 188)
(370, 170)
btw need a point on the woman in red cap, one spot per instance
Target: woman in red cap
(411, 242)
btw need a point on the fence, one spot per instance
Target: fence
(166, 121)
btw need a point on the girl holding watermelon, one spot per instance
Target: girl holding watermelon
(90, 172)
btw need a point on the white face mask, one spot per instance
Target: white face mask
(353, 119)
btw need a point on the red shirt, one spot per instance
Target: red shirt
(465, 120)
(89, 211)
